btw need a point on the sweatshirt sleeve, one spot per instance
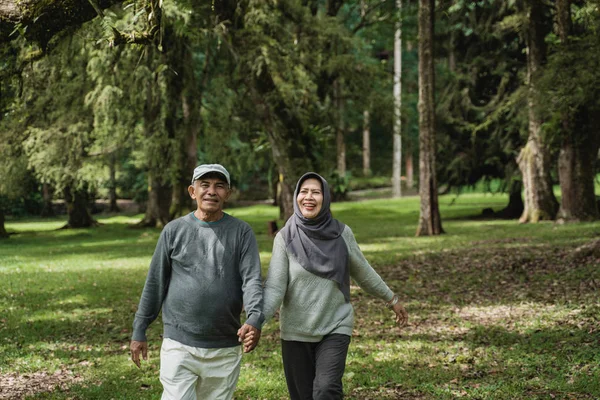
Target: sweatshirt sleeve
(250, 272)
(277, 278)
(155, 289)
(362, 272)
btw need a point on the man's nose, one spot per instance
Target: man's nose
(212, 190)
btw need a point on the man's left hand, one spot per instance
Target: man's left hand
(249, 336)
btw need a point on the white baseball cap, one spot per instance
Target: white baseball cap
(204, 169)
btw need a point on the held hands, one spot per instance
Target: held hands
(249, 336)
(137, 347)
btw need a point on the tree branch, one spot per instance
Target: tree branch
(40, 21)
(364, 21)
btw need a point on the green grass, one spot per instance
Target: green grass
(497, 310)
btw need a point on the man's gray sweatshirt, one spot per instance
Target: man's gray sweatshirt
(200, 274)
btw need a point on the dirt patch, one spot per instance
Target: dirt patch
(17, 386)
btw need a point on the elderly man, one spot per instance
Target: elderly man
(205, 266)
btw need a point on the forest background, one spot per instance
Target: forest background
(122, 99)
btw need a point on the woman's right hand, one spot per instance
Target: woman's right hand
(401, 314)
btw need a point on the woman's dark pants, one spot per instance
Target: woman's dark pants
(314, 371)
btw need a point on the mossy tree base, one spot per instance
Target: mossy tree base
(157, 209)
(540, 203)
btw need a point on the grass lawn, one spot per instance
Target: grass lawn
(497, 310)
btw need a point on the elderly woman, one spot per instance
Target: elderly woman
(314, 257)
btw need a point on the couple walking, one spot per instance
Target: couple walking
(206, 266)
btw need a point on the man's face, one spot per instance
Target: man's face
(210, 194)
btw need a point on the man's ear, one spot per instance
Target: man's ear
(229, 191)
(192, 191)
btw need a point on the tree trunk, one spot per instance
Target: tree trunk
(396, 165)
(429, 220)
(3, 233)
(534, 158)
(47, 209)
(112, 182)
(340, 128)
(273, 179)
(160, 133)
(286, 195)
(366, 144)
(515, 206)
(397, 141)
(410, 180)
(452, 52)
(579, 148)
(576, 169)
(159, 203)
(191, 99)
(291, 147)
(77, 202)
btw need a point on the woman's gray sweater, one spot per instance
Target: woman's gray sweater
(311, 306)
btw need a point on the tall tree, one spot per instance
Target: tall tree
(190, 95)
(580, 141)
(340, 127)
(534, 158)
(305, 74)
(158, 130)
(397, 146)
(282, 124)
(480, 118)
(429, 219)
(366, 144)
(57, 129)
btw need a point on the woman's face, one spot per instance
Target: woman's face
(310, 198)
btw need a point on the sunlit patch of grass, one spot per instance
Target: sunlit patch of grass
(34, 225)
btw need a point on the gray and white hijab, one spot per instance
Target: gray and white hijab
(317, 243)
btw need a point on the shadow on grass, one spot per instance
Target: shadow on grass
(109, 241)
(496, 274)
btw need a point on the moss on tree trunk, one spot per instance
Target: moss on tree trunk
(534, 159)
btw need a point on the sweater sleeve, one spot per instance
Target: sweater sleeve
(362, 272)
(251, 280)
(277, 278)
(155, 289)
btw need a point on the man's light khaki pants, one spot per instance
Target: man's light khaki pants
(193, 373)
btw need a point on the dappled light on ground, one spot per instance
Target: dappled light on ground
(496, 311)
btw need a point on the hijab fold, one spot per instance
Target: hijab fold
(317, 243)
